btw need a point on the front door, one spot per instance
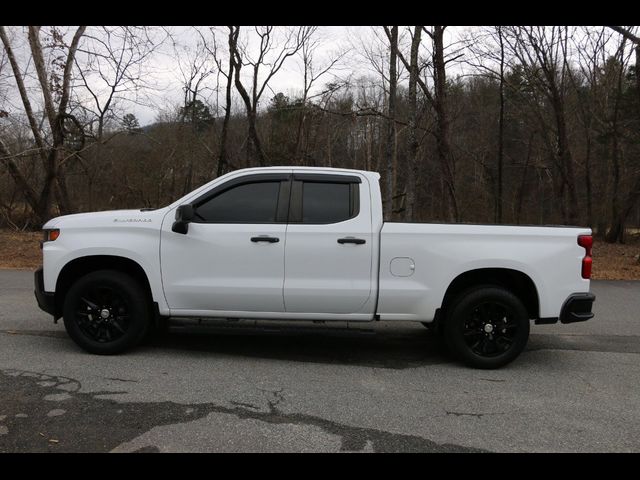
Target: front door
(232, 257)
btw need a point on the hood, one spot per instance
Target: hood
(111, 217)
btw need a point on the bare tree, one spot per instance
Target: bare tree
(312, 71)
(628, 33)
(591, 56)
(542, 51)
(196, 66)
(223, 159)
(270, 56)
(439, 101)
(112, 68)
(212, 46)
(55, 91)
(414, 73)
(622, 204)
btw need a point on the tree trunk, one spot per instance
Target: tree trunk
(567, 163)
(587, 181)
(29, 193)
(253, 138)
(498, 213)
(616, 230)
(391, 124)
(222, 159)
(523, 181)
(253, 135)
(442, 125)
(412, 183)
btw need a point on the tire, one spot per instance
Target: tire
(487, 327)
(98, 294)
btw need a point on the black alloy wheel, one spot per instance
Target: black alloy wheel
(102, 313)
(490, 329)
(106, 312)
(486, 327)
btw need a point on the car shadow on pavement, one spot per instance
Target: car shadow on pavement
(360, 347)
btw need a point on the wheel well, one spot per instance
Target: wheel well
(518, 283)
(83, 265)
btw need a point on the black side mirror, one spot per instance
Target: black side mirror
(184, 215)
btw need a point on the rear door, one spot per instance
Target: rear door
(328, 252)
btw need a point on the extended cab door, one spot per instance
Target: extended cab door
(328, 255)
(232, 257)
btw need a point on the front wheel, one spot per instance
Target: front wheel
(106, 312)
(487, 327)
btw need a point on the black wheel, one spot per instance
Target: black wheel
(487, 327)
(106, 312)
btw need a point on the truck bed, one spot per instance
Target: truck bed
(418, 261)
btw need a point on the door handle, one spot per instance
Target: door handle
(265, 238)
(357, 241)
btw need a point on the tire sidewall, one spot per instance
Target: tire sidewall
(459, 312)
(133, 295)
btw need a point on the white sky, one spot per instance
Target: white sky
(289, 80)
(162, 75)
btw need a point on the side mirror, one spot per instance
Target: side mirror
(184, 215)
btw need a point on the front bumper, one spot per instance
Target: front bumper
(46, 300)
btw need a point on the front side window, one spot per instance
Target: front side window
(247, 203)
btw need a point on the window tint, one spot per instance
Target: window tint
(248, 203)
(327, 202)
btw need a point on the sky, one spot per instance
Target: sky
(159, 78)
(351, 41)
(168, 67)
(288, 80)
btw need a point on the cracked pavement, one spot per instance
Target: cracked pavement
(269, 387)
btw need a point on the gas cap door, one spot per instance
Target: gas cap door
(402, 266)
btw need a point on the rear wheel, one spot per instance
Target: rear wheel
(487, 327)
(106, 312)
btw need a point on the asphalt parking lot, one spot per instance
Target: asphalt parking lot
(260, 386)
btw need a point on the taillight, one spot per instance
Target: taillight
(586, 242)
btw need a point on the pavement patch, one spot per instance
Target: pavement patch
(56, 412)
(88, 426)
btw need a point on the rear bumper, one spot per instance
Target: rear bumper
(577, 308)
(46, 300)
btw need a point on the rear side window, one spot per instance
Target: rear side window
(324, 203)
(246, 203)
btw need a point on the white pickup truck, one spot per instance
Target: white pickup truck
(305, 244)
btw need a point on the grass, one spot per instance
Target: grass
(613, 261)
(21, 250)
